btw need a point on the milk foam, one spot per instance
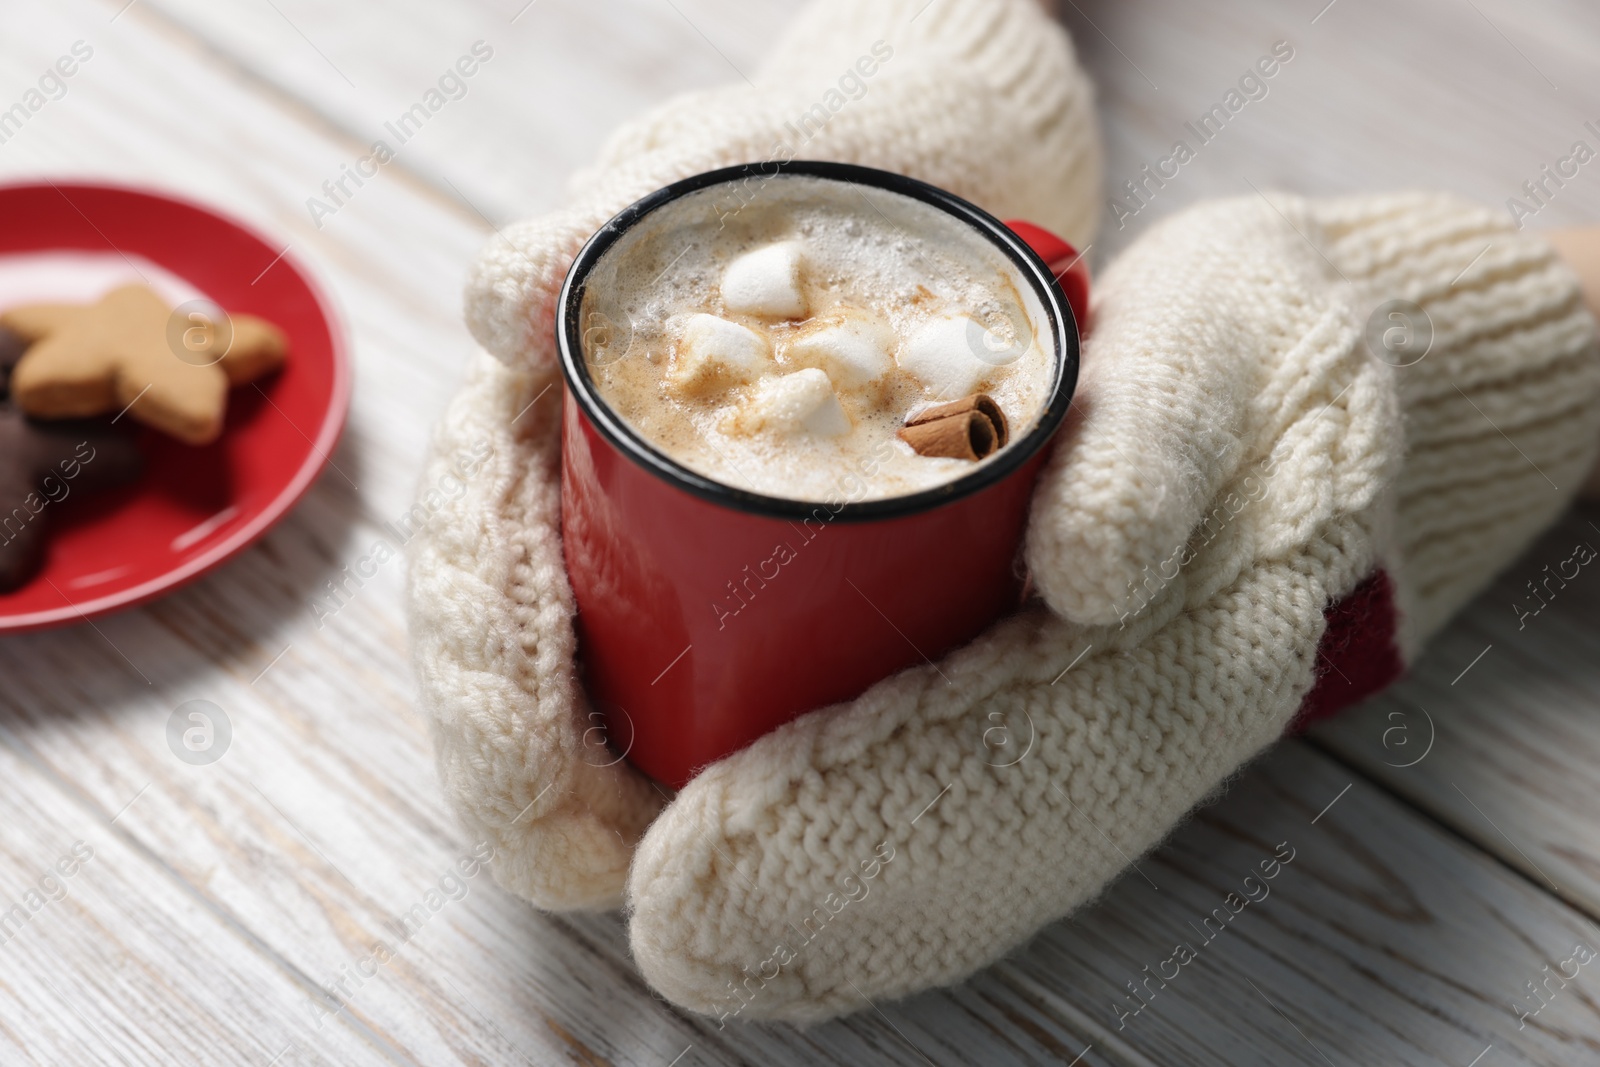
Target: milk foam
(879, 270)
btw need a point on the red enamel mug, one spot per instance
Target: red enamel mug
(709, 615)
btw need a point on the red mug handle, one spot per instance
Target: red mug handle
(1065, 263)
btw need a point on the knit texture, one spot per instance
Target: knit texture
(982, 97)
(1232, 418)
(1237, 462)
(1225, 367)
(1500, 415)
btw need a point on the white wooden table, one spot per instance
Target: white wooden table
(1446, 841)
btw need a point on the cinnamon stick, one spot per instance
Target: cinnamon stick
(970, 428)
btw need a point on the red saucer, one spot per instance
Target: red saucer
(193, 509)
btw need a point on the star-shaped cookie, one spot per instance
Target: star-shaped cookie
(127, 350)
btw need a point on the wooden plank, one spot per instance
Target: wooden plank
(1494, 730)
(1378, 96)
(107, 958)
(562, 76)
(1428, 92)
(1383, 941)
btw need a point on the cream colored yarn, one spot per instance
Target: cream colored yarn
(1500, 415)
(881, 847)
(1226, 349)
(982, 97)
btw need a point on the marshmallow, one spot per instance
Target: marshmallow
(802, 402)
(766, 283)
(713, 351)
(854, 347)
(943, 355)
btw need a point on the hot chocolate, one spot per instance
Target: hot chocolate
(816, 340)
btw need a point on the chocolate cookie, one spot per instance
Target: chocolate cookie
(43, 463)
(12, 347)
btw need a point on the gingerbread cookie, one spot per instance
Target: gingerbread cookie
(43, 463)
(129, 351)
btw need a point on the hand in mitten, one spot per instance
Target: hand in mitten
(1256, 515)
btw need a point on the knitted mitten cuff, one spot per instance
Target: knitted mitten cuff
(1497, 378)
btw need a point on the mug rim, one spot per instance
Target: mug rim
(627, 440)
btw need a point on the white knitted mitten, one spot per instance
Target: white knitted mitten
(1251, 516)
(1255, 517)
(981, 97)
